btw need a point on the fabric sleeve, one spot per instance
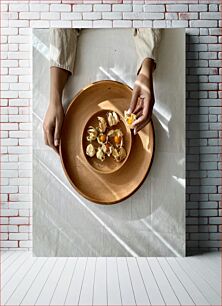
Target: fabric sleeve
(63, 44)
(147, 43)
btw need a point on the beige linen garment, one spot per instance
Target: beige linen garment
(63, 44)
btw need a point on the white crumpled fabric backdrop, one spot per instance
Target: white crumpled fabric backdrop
(152, 221)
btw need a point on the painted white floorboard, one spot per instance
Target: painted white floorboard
(126, 289)
(210, 294)
(36, 287)
(86, 295)
(214, 280)
(139, 289)
(181, 293)
(212, 261)
(49, 287)
(110, 281)
(152, 287)
(5, 255)
(10, 261)
(163, 283)
(100, 283)
(23, 286)
(113, 286)
(192, 289)
(61, 290)
(17, 279)
(12, 270)
(213, 258)
(75, 286)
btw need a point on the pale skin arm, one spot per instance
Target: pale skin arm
(54, 116)
(142, 101)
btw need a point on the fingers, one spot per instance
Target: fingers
(138, 114)
(139, 107)
(143, 105)
(49, 137)
(57, 133)
(134, 99)
(140, 119)
(45, 138)
(143, 116)
(58, 127)
(141, 126)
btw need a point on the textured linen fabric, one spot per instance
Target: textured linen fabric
(146, 42)
(63, 44)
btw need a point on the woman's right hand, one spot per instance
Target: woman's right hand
(52, 124)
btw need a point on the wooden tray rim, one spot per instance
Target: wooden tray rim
(64, 168)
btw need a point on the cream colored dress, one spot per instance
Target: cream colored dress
(63, 44)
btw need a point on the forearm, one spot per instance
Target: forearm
(58, 80)
(147, 67)
(145, 77)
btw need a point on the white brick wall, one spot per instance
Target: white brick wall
(201, 18)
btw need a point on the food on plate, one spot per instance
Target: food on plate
(110, 133)
(102, 124)
(101, 138)
(100, 154)
(117, 137)
(112, 118)
(119, 154)
(106, 139)
(90, 150)
(92, 133)
(129, 118)
(107, 148)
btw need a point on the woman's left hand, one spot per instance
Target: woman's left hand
(142, 101)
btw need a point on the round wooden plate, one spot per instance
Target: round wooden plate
(109, 165)
(103, 188)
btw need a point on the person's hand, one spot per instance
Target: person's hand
(54, 116)
(53, 124)
(142, 101)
